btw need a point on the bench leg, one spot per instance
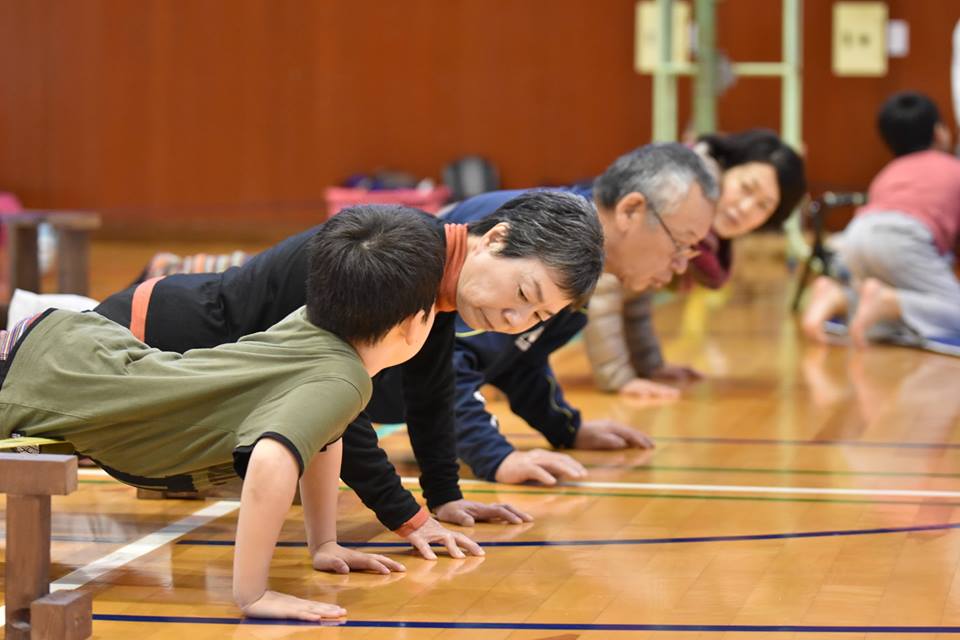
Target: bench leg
(73, 259)
(27, 560)
(24, 258)
(65, 615)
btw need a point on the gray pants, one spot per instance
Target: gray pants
(899, 251)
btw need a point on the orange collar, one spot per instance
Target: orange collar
(456, 235)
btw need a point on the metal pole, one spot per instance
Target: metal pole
(791, 97)
(704, 90)
(791, 111)
(664, 83)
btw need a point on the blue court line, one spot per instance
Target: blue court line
(779, 442)
(562, 543)
(626, 541)
(529, 626)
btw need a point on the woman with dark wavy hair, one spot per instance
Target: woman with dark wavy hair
(761, 182)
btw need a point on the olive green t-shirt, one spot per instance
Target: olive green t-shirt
(159, 419)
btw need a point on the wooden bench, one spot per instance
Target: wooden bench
(31, 611)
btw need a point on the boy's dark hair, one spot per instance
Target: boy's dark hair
(763, 145)
(559, 228)
(372, 266)
(906, 122)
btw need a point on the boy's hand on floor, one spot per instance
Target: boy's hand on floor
(466, 512)
(433, 531)
(336, 559)
(538, 465)
(606, 434)
(279, 605)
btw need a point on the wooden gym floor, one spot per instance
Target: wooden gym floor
(796, 493)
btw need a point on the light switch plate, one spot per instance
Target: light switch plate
(860, 38)
(647, 34)
(898, 39)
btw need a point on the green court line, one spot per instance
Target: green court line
(694, 496)
(781, 472)
(658, 496)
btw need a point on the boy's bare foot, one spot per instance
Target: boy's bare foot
(826, 300)
(877, 302)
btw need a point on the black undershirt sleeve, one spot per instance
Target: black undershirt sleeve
(367, 470)
(426, 403)
(428, 391)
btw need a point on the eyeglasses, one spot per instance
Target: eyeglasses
(680, 250)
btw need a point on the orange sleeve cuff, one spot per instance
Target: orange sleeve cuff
(413, 523)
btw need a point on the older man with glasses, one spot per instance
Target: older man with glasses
(654, 204)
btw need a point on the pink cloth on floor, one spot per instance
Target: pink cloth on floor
(924, 185)
(8, 204)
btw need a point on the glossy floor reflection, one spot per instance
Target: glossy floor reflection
(798, 492)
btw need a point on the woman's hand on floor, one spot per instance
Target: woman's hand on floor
(467, 512)
(539, 465)
(336, 559)
(432, 531)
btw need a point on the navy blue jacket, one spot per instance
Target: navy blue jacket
(516, 364)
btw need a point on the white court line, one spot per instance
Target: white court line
(733, 488)
(706, 488)
(143, 546)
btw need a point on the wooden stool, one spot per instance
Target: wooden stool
(29, 481)
(73, 250)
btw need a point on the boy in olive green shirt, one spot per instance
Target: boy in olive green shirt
(270, 407)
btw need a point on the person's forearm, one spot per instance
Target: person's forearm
(367, 470)
(267, 494)
(646, 357)
(318, 493)
(604, 338)
(428, 390)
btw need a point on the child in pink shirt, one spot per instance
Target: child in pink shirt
(899, 248)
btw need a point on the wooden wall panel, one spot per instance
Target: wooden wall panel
(234, 115)
(840, 112)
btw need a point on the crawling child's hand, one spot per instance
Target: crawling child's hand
(280, 605)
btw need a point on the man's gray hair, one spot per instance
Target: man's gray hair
(663, 172)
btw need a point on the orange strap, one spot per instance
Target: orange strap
(138, 309)
(413, 523)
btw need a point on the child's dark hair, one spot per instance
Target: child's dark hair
(763, 145)
(372, 266)
(560, 229)
(907, 121)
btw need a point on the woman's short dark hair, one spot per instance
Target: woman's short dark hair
(558, 228)
(763, 145)
(372, 266)
(907, 121)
